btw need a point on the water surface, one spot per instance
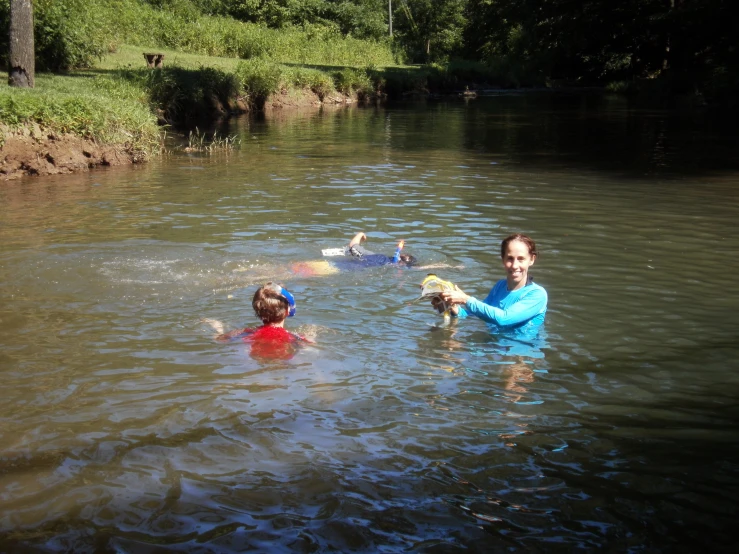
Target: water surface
(126, 427)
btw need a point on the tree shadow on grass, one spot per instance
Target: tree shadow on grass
(181, 97)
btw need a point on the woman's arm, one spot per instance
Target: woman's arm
(456, 298)
(528, 306)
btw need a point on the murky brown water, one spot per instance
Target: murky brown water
(124, 427)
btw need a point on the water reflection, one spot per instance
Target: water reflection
(125, 427)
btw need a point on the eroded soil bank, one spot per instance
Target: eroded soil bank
(35, 151)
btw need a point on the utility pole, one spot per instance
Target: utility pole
(390, 15)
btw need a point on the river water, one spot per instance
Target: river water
(126, 428)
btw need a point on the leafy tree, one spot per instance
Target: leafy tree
(682, 40)
(69, 33)
(360, 18)
(432, 30)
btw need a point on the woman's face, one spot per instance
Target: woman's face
(517, 261)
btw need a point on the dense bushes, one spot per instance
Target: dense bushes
(260, 78)
(364, 19)
(67, 33)
(185, 96)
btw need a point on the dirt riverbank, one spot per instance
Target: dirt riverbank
(32, 150)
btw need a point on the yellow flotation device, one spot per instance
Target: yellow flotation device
(431, 288)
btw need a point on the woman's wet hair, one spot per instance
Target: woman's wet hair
(269, 304)
(527, 240)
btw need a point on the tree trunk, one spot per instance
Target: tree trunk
(22, 66)
(390, 16)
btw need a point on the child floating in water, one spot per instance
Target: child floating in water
(352, 257)
(368, 259)
(273, 305)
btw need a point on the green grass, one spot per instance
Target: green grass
(172, 88)
(103, 109)
(142, 25)
(127, 56)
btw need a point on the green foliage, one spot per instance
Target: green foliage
(351, 80)
(185, 96)
(686, 44)
(431, 30)
(322, 85)
(75, 33)
(67, 33)
(319, 82)
(259, 78)
(366, 19)
(221, 36)
(200, 142)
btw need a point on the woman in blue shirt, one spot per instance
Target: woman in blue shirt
(515, 302)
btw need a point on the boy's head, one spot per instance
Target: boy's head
(407, 259)
(272, 303)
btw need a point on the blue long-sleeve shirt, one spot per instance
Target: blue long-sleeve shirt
(525, 307)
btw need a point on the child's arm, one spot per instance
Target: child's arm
(303, 338)
(358, 238)
(236, 333)
(221, 336)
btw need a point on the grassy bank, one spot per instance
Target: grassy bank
(191, 88)
(213, 65)
(120, 100)
(97, 108)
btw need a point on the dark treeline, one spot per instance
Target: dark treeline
(685, 45)
(689, 43)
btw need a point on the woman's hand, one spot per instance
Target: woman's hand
(455, 296)
(440, 306)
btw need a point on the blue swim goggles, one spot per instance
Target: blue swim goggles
(287, 296)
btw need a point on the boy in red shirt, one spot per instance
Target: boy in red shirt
(273, 305)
